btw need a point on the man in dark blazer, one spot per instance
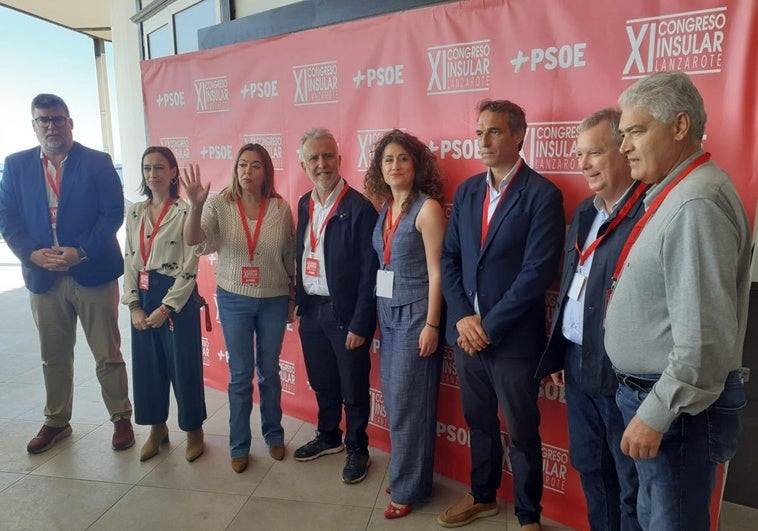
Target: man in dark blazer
(575, 356)
(336, 276)
(499, 256)
(60, 207)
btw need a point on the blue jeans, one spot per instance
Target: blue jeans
(676, 485)
(609, 479)
(243, 318)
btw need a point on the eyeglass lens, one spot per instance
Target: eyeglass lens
(44, 121)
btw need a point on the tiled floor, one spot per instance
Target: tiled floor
(82, 484)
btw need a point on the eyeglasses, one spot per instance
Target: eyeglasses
(44, 121)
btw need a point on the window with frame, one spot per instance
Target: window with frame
(170, 27)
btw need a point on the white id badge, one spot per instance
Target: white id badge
(384, 281)
(577, 285)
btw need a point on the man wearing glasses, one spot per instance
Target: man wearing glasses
(60, 207)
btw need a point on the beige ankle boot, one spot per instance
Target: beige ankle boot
(158, 435)
(195, 444)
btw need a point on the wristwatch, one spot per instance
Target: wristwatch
(82, 255)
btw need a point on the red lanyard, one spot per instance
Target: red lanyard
(634, 234)
(145, 252)
(486, 206)
(54, 179)
(583, 255)
(389, 232)
(311, 207)
(252, 241)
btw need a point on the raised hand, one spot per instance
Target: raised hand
(196, 192)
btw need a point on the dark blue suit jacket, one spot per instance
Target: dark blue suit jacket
(515, 267)
(597, 376)
(351, 262)
(90, 211)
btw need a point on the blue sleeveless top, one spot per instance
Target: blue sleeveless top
(408, 259)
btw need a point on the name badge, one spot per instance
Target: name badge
(311, 267)
(250, 274)
(384, 281)
(577, 286)
(144, 280)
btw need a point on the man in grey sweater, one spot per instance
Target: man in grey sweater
(675, 322)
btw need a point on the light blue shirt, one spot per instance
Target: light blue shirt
(573, 310)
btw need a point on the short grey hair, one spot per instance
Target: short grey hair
(314, 133)
(663, 95)
(610, 115)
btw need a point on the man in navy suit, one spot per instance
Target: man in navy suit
(60, 207)
(500, 254)
(598, 231)
(336, 276)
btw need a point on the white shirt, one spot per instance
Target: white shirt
(317, 285)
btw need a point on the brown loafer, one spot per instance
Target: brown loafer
(466, 511)
(276, 451)
(239, 464)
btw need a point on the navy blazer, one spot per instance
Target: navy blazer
(351, 262)
(514, 268)
(90, 211)
(597, 376)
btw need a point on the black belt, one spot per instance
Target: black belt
(632, 382)
(644, 385)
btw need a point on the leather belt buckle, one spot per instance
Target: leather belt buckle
(636, 384)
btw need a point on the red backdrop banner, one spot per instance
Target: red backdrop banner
(424, 71)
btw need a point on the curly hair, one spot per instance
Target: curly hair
(427, 178)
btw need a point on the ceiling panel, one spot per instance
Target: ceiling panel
(91, 17)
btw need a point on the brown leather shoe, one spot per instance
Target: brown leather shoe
(276, 451)
(123, 435)
(466, 511)
(46, 438)
(239, 464)
(531, 527)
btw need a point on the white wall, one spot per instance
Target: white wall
(131, 113)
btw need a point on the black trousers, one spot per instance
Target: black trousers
(489, 381)
(337, 375)
(162, 357)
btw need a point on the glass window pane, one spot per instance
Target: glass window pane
(188, 21)
(159, 43)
